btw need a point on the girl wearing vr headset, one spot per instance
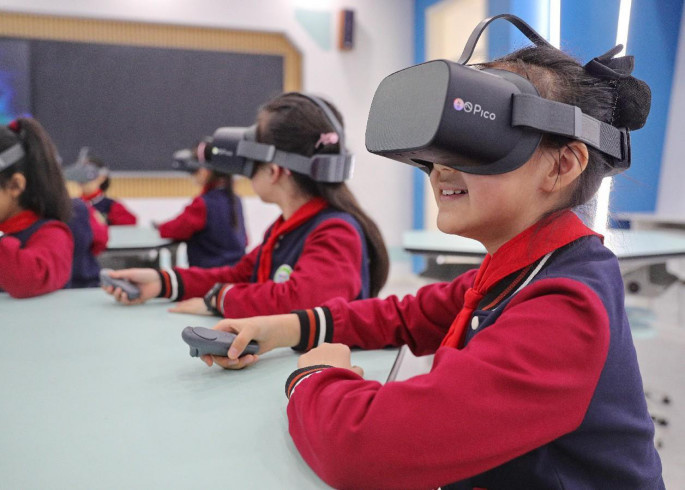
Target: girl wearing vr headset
(35, 243)
(535, 381)
(92, 175)
(212, 225)
(322, 246)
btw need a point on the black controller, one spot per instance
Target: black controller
(215, 342)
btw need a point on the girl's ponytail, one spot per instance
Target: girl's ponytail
(45, 193)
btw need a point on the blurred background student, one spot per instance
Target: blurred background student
(90, 234)
(92, 175)
(212, 225)
(35, 243)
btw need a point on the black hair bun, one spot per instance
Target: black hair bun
(633, 97)
(633, 101)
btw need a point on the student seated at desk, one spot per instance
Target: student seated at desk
(90, 234)
(36, 246)
(92, 175)
(535, 381)
(322, 246)
(212, 225)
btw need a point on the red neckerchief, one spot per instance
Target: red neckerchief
(521, 251)
(92, 196)
(280, 227)
(18, 222)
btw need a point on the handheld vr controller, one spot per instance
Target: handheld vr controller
(131, 290)
(204, 341)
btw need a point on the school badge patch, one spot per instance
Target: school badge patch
(282, 274)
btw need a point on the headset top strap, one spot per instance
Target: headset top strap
(527, 31)
(337, 127)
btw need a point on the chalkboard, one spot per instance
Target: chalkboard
(134, 106)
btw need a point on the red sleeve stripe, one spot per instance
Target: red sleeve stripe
(166, 284)
(173, 280)
(297, 376)
(312, 329)
(221, 298)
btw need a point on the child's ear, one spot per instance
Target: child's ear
(570, 161)
(275, 172)
(17, 185)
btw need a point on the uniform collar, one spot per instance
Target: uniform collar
(19, 222)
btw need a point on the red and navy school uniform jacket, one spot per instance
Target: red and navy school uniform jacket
(90, 239)
(546, 393)
(114, 212)
(35, 255)
(321, 259)
(205, 225)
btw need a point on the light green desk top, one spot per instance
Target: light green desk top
(96, 395)
(135, 237)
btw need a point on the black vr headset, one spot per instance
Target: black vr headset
(185, 160)
(234, 150)
(484, 121)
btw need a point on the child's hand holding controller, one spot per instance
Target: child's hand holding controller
(268, 331)
(140, 285)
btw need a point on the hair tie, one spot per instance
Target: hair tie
(15, 126)
(327, 139)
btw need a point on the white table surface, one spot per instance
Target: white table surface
(96, 395)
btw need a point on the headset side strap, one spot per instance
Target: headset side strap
(554, 117)
(11, 156)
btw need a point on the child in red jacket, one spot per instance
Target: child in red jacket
(322, 246)
(92, 175)
(36, 246)
(535, 381)
(212, 225)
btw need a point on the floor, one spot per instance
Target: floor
(660, 347)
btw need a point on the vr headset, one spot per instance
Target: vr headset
(185, 160)
(84, 170)
(234, 150)
(477, 121)
(11, 155)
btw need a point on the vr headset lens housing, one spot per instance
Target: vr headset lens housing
(455, 115)
(479, 121)
(234, 150)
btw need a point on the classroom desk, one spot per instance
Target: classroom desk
(136, 246)
(135, 238)
(643, 221)
(100, 395)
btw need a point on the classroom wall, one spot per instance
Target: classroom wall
(671, 198)
(383, 44)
